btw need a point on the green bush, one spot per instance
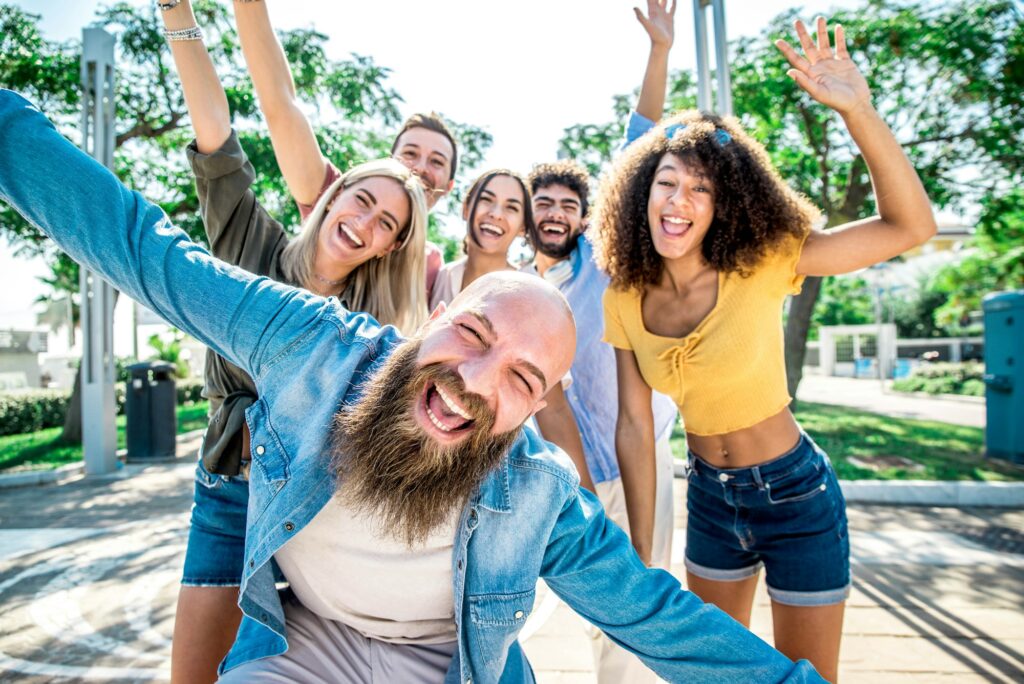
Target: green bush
(945, 378)
(31, 410)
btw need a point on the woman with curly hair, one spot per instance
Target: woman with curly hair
(703, 241)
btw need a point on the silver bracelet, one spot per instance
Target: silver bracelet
(190, 33)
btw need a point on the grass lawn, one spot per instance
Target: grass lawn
(868, 446)
(43, 450)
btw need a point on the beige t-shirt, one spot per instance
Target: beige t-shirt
(448, 283)
(343, 568)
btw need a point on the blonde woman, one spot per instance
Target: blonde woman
(363, 242)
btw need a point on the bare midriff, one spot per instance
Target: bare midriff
(751, 446)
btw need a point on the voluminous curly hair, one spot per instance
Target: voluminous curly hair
(567, 172)
(754, 210)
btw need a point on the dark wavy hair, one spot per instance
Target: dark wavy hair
(754, 212)
(567, 172)
(473, 199)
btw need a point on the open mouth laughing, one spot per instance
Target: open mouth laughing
(675, 226)
(491, 230)
(554, 230)
(349, 237)
(445, 412)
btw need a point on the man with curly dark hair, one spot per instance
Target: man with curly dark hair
(564, 257)
(703, 242)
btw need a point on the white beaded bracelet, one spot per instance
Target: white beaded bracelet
(190, 33)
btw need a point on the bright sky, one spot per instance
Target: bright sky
(523, 69)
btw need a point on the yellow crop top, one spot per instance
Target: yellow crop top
(730, 372)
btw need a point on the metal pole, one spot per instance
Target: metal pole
(724, 94)
(99, 435)
(700, 28)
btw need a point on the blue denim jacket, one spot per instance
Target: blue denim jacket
(528, 519)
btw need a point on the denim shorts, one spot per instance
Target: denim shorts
(216, 539)
(787, 514)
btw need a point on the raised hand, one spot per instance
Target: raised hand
(830, 77)
(659, 22)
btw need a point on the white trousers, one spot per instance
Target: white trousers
(615, 665)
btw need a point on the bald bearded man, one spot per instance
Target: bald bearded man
(391, 478)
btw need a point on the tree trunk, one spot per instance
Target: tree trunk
(72, 432)
(798, 323)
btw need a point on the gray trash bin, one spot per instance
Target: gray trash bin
(150, 401)
(1004, 375)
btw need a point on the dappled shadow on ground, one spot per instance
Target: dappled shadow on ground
(920, 598)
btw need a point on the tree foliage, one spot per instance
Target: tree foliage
(996, 261)
(353, 109)
(947, 77)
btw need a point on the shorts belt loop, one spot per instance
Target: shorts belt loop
(756, 470)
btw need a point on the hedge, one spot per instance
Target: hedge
(38, 409)
(945, 378)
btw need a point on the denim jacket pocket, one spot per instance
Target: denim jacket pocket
(799, 485)
(267, 452)
(501, 610)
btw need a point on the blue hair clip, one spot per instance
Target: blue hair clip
(721, 136)
(670, 131)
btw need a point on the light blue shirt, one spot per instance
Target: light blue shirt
(527, 519)
(593, 395)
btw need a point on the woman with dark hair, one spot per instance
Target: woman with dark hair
(361, 241)
(703, 241)
(497, 210)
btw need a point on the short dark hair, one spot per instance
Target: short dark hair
(432, 121)
(567, 172)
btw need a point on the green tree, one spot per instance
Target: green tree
(843, 301)
(169, 348)
(996, 261)
(356, 113)
(947, 77)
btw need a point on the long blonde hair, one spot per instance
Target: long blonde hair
(392, 289)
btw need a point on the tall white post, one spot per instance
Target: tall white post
(99, 435)
(723, 93)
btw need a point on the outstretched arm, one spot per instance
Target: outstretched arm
(660, 26)
(905, 216)
(295, 145)
(204, 95)
(589, 564)
(132, 244)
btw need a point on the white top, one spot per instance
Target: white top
(448, 283)
(343, 568)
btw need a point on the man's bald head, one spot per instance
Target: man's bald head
(510, 336)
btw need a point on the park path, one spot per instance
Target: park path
(89, 574)
(871, 395)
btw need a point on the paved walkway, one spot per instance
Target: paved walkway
(870, 395)
(89, 572)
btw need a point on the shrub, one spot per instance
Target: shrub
(38, 409)
(31, 410)
(945, 378)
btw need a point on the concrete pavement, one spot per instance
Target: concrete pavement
(89, 573)
(873, 395)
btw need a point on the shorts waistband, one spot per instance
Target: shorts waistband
(804, 452)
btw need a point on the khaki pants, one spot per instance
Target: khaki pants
(615, 665)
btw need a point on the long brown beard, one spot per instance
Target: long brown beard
(387, 466)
